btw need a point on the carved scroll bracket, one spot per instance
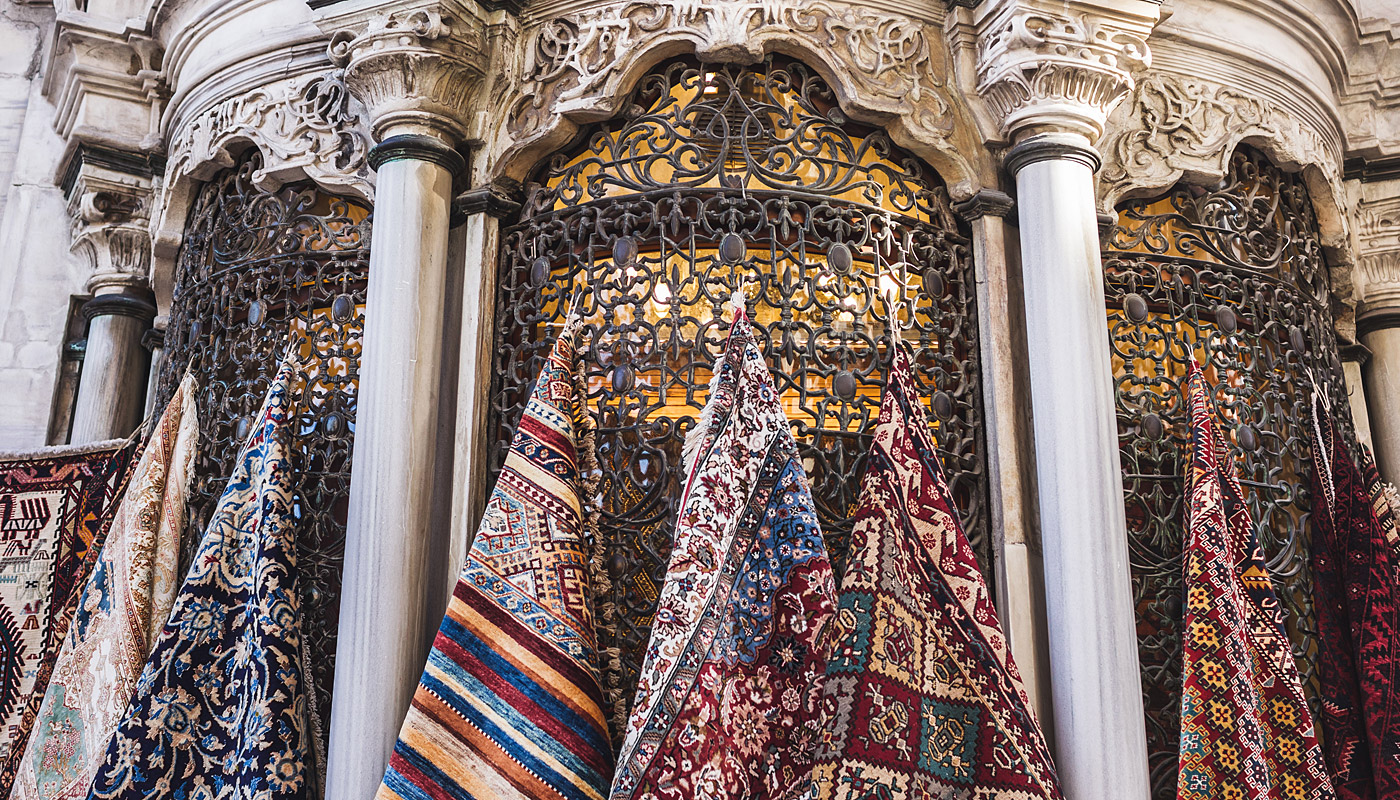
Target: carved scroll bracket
(1178, 127)
(886, 68)
(305, 127)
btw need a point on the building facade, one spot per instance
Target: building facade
(1056, 203)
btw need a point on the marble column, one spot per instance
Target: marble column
(1050, 73)
(111, 388)
(1098, 707)
(1378, 327)
(1001, 332)
(416, 68)
(386, 615)
(481, 210)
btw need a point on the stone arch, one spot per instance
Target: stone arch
(887, 69)
(305, 128)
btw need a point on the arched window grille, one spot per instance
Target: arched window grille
(261, 271)
(717, 178)
(1235, 274)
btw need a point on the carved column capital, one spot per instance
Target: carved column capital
(416, 67)
(109, 200)
(1378, 262)
(1056, 66)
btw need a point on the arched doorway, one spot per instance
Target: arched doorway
(717, 178)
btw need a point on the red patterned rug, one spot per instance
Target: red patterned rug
(922, 697)
(1354, 569)
(727, 701)
(54, 505)
(1246, 731)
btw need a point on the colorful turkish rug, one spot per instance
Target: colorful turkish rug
(127, 599)
(1358, 621)
(922, 697)
(1246, 731)
(727, 701)
(510, 705)
(54, 506)
(220, 710)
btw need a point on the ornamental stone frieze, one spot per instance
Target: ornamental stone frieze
(1185, 127)
(1056, 66)
(886, 68)
(416, 66)
(1378, 261)
(307, 127)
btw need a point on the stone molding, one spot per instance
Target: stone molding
(109, 204)
(106, 84)
(306, 127)
(1057, 65)
(1186, 127)
(887, 68)
(416, 66)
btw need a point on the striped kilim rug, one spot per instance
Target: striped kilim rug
(510, 705)
(727, 700)
(922, 697)
(1246, 731)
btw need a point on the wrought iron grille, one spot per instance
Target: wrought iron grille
(719, 178)
(1235, 274)
(259, 272)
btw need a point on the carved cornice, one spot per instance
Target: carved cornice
(886, 67)
(105, 83)
(416, 68)
(305, 128)
(1178, 126)
(1057, 66)
(569, 60)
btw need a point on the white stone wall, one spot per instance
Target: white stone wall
(38, 274)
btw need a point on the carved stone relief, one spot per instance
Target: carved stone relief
(1043, 65)
(1179, 126)
(307, 126)
(887, 66)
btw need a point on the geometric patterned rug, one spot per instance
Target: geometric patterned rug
(922, 697)
(53, 506)
(1246, 731)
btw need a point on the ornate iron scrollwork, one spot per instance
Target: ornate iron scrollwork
(1234, 274)
(260, 272)
(725, 178)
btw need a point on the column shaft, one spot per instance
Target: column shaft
(111, 388)
(1001, 332)
(471, 466)
(1383, 398)
(391, 599)
(1099, 724)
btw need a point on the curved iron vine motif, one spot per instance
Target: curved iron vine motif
(722, 178)
(1234, 274)
(259, 272)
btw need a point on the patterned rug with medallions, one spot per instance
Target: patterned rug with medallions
(922, 696)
